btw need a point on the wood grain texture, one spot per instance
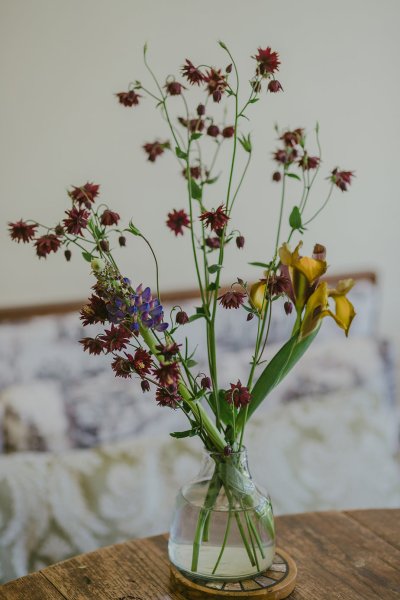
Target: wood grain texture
(340, 556)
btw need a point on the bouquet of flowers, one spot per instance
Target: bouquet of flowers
(223, 525)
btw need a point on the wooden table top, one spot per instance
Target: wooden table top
(353, 555)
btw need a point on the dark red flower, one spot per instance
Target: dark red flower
(85, 194)
(177, 220)
(213, 242)
(274, 86)
(192, 73)
(20, 231)
(195, 172)
(308, 162)
(155, 149)
(95, 311)
(167, 398)
(285, 156)
(228, 132)
(292, 138)
(205, 383)
(169, 350)
(141, 362)
(240, 241)
(130, 98)
(122, 367)
(201, 110)
(67, 254)
(276, 176)
(238, 395)
(93, 345)
(109, 218)
(232, 299)
(145, 385)
(215, 219)
(216, 83)
(174, 88)
(342, 179)
(115, 338)
(194, 125)
(167, 374)
(288, 306)
(213, 130)
(181, 318)
(77, 220)
(278, 284)
(46, 244)
(268, 61)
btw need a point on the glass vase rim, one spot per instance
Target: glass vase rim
(241, 452)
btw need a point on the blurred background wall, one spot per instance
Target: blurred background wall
(62, 61)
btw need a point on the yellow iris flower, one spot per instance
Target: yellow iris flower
(317, 307)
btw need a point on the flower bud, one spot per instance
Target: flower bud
(201, 110)
(206, 383)
(228, 450)
(274, 86)
(59, 230)
(122, 240)
(217, 95)
(145, 385)
(228, 132)
(240, 241)
(104, 245)
(213, 130)
(276, 176)
(181, 317)
(67, 255)
(250, 316)
(288, 306)
(98, 265)
(229, 68)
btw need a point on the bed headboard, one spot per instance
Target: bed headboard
(20, 313)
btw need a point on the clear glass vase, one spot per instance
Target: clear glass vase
(223, 524)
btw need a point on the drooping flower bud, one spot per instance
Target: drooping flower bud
(274, 86)
(122, 240)
(181, 317)
(213, 130)
(240, 241)
(59, 229)
(228, 132)
(67, 255)
(206, 383)
(217, 95)
(276, 176)
(229, 68)
(201, 110)
(228, 450)
(145, 385)
(104, 245)
(250, 316)
(288, 306)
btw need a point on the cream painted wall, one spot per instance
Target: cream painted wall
(61, 61)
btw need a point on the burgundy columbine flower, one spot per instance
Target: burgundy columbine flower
(268, 61)
(109, 218)
(201, 110)
(192, 73)
(46, 244)
(288, 306)
(145, 385)
(85, 194)
(292, 138)
(115, 338)
(181, 317)
(77, 220)
(195, 172)
(205, 383)
(276, 176)
(228, 132)
(122, 240)
(130, 98)
(274, 86)
(122, 367)
(177, 220)
(167, 374)
(216, 83)
(308, 162)
(285, 156)
(238, 395)
(213, 130)
(67, 254)
(215, 219)
(155, 149)
(213, 242)
(194, 125)
(232, 299)
(168, 350)
(20, 231)
(141, 361)
(165, 397)
(278, 284)
(240, 241)
(93, 345)
(174, 88)
(342, 179)
(95, 311)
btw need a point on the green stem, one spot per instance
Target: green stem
(227, 530)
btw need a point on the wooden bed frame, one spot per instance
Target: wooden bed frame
(20, 313)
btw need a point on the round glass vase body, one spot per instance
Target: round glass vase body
(223, 524)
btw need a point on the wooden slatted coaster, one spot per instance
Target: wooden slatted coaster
(275, 583)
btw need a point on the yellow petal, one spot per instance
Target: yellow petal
(312, 268)
(287, 257)
(257, 296)
(316, 309)
(345, 313)
(342, 288)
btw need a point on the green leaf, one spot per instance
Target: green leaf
(134, 230)
(195, 317)
(195, 136)
(225, 409)
(253, 100)
(212, 287)
(214, 268)
(191, 363)
(187, 433)
(259, 264)
(293, 176)
(212, 180)
(295, 218)
(87, 256)
(278, 367)
(200, 310)
(196, 190)
(180, 153)
(246, 143)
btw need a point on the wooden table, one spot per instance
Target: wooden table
(351, 555)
